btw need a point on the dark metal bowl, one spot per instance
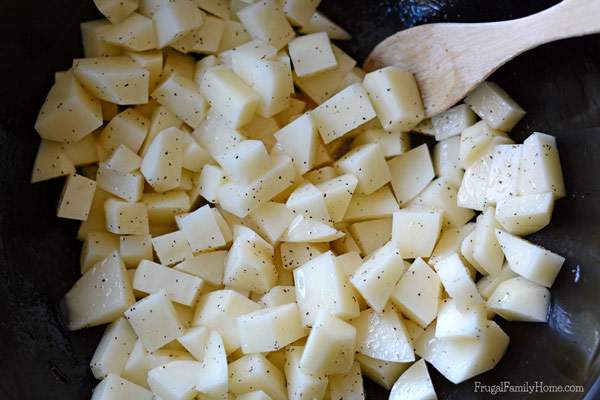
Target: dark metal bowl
(558, 84)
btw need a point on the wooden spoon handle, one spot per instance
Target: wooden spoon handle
(569, 18)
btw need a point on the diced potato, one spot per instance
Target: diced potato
(100, 296)
(162, 163)
(347, 386)
(466, 251)
(312, 54)
(307, 200)
(384, 373)
(140, 362)
(302, 385)
(256, 395)
(263, 129)
(179, 63)
(495, 106)
(128, 186)
(215, 136)
(116, 10)
(415, 232)
(450, 242)
(540, 167)
(181, 287)
(343, 112)
(456, 280)
(367, 163)
(299, 12)
(338, 193)
(123, 160)
(97, 246)
(379, 204)
(453, 122)
(330, 346)
(203, 65)
(524, 215)
(114, 387)
(392, 143)
(152, 61)
(414, 384)
(413, 329)
(117, 80)
(486, 249)
(265, 21)
(181, 96)
(172, 248)
(504, 172)
(371, 235)
(271, 220)
(213, 377)
(124, 218)
(128, 128)
(194, 341)
(299, 140)
(474, 142)
(208, 266)
(320, 23)
(219, 8)
(446, 160)
(135, 33)
(175, 380)
(376, 278)
(135, 248)
(518, 299)
(201, 230)
(175, 19)
(234, 35)
(95, 221)
(113, 350)
(296, 107)
(203, 40)
(424, 127)
(195, 157)
(162, 207)
(255, 372)
(396, 98)
(459, 321)
(246, 162)
(487, 284)
(91, 38)
(207, 183)
(294, 255)
(417, 294)
(69, 113)
(154, 320)
(410, 173)
(83, 152)
(306, 230)
(76, 198)
(528, 260)
(278, 296)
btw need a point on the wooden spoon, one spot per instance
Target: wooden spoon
(449, 60)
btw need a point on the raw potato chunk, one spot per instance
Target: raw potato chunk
(114, 387)
(123, 160)
(528, 260)
(396, 98)
(343, 112)
(540, 167)
(175, 19)
(172, 248)
(208, 266)
(302, 385)
(347, 386)
(338, 193)
(392, 143)
(255, 372)
(212, 379)
(155, 321)
(376, 278)
(312, 54)
(379, 204)
(235, 101)
(100, 296)
(116, 10)
(128, 128)
(294, 255)
(307, 200)
(489, 283)
(256, 395)
(113, 350)
(495, 106)
(278, 296)
(367, 163)
(69, 113)
(322, 285)
(450, 242)
(126, 218)
(459, 360)
(371, 235)
(91, 39)
(135, 33)
(194, 341)
(457, 321)
(181, 287)
(417, 294)
(414, 384)
(446, 160)
(486, 249)
(265, 21)
(162, 163)
(383, 336)
(456, 280)
(410, 173)
(524, 215)
(201, 229)
(175, 380)
(270, 329)
(246, 162)
(219, 8)
(97, 246)
(271, 220)
(384, 373)
(203, 40)
(330, 346)
(83, 152)
(415, 232)
(162, 207)
(207, 184)
(518, 299)
(128, 186)
(76, 198)
(118, 80)
(299, 12)
(234, 35)
(299, 141)
(181, 96)
(474, 142)
(453, 122)
(504, 172)
(135, 248)
(320, 23)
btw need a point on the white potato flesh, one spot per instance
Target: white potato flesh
(134, 33)
(123, 160)
(151, 60)
(208, 182)
(457, 281)
(128, 186)
(115, 10)
(486, 249)
(194, 340)
(212, 379)
(202, 40)
(256, 395)
(294, 255)
(349, 385)
(487, 284)
(124, 218)
(113, 350)
(271, 220)
(202, 230)
(69, 113)
(462, 359)
(163, 161)
(160, 120)
(207, 266)
(446, 161)
(417, 294)
(495, 106)
(529, 260)
(371, 235)
(219, 8)
(215, 136)
(235, 34)
(413, 329)
(175, 380)
(140, 362)
(91, 39)
(83, 152)
(383, 336)
(118, 80)
(518, 299)
(330, 346)
(307, 200)
(300, 384)
(181, 96)
(378, 204)
(255, 372)
(466, 251)
(322, 285)
(76, 198)
(459, 321)
(414, 384)
(100, 296)
(128, 128)
(266, 21)
(97, 246)
(246, 162)
(392, 143)
(175, 19)
(203, 65)
(135, 248)
(384, 373)
(218, 310)
(367, 163)
(162, 207)
(172, 248)
(299, 12)
(114, 387)
(181, 288)
(504, 172)
(453, 121)
(410, 173)
(296, 107)
(263, 129)
(278, 296)
(540, 167)
(527, 214)
(343, 112)
(474, 141)
(415, 232)
(95, 221)
(306, 230)
(299, 141)
(338, 193)
(320, 23)
(396, 98)
(449, 243)
(249, 267)
(312, 54)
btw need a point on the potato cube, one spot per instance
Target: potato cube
(175, 380)
(203, 40)
(271, 220)
(307, 230)
(450, 242)
(487, 284)
(234, 35)
(343, 112)
(411, 172)
(504, 172)
(128, 128)
(213, 377)
(114, 387)
(446, 160)
(207, 183)
(299, 141)
(246, 162)
(379, 204)
(265, 21)
(215, 136)
(113, 350)
(475, 141)
(194, 341)
(116, 10)
(371, 235)
(123, 160)
(294, 255)
(135, 33)
(307, 200)
(128, 186)
(51, 162)
(207, 266)
(348, 385)
(255, 372)
(415, 232)
(524, 215)
(175, 19)
(221, 9)
(117, 80)
(162, 163)
(486, 249)
(181, 96)
(278, 296)
(69, 113)
(302, 385)
(152, 61)
(201, 230)
(384, 373)
(181, 288)
(392, 143)
(495, 106)
(312, 54)
(162, 207)
(518, 299)
(95, 221)
(540, 167)
(124, 218)
(367, 163)
(456, 280)
(100, 296)
(256, 395)
(458, 321)
(414, 384)
(338, 193)
(320, 23)
(97, 246)
(135, 248)
(299, 12)
(453, 122)
(172, 248)
(417, 294)
(91, 39)
(76, 198)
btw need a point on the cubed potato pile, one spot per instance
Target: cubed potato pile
(255, 223)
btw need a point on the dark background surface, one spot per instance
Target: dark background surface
(558, 84)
